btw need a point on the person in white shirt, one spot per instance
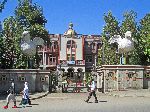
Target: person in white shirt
(25, 95)
(92, 91)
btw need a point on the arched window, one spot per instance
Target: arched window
(55, 45)
(71, 50)
(71, 44)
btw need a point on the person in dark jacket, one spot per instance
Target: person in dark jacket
(11, 95)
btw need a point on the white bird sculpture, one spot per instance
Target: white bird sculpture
(28, 46)
(125, 44)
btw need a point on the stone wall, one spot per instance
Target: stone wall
(38, 79)
(124, 77)
(110, 77)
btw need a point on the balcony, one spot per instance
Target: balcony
(49, 65)
(49, 50)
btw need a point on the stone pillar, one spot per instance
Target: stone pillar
(117, 79)
(59, 77)
(100, 80)
(104, 81)
(84, 78)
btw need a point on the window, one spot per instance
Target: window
(68, 57)
(52, 59)
(73, 57)
(55, 45)
(71, 44)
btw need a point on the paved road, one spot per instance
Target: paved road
(75, 103)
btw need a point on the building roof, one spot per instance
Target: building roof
(70, 31)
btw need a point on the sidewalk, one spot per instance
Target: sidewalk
(127, 93)
(32, 96)
(131, 93)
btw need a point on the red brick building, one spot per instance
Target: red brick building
(70, 50)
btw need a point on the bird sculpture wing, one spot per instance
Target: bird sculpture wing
(38, 41)
(26, 37)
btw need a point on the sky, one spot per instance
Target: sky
(86, 15)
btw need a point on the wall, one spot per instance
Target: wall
(124, 77)
(38, 79)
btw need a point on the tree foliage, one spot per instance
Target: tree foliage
(34, 18)
(34, 22)
(129, 24)
(110, 29)
(112, 25)
(2, 4)
(140, 34)
(144, 32)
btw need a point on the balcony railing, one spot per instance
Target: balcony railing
(45, 49)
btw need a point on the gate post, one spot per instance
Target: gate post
(50, 81)
(100, 80)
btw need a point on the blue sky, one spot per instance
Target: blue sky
(86, 15)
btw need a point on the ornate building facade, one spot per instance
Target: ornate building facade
(70, 50)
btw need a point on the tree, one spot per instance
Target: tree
(1, 50)
(34, 18)
(2, 5)
(8, 53)
(12, 56)
(129, 24)
(110, 29)
(112, 25)
(35, 21)
(144, 41)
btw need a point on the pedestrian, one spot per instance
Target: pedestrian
(92, 91)
(11, 95)
(25, 95)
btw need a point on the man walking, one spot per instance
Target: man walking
(11, 95)
(92, 91)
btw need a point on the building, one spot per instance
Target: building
(70, 50)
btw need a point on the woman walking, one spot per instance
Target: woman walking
(25, 95)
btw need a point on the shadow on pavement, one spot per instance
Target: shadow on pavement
(19, 107)
(28, 106)
(90, 102)
(34, 104)
(102, 101)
